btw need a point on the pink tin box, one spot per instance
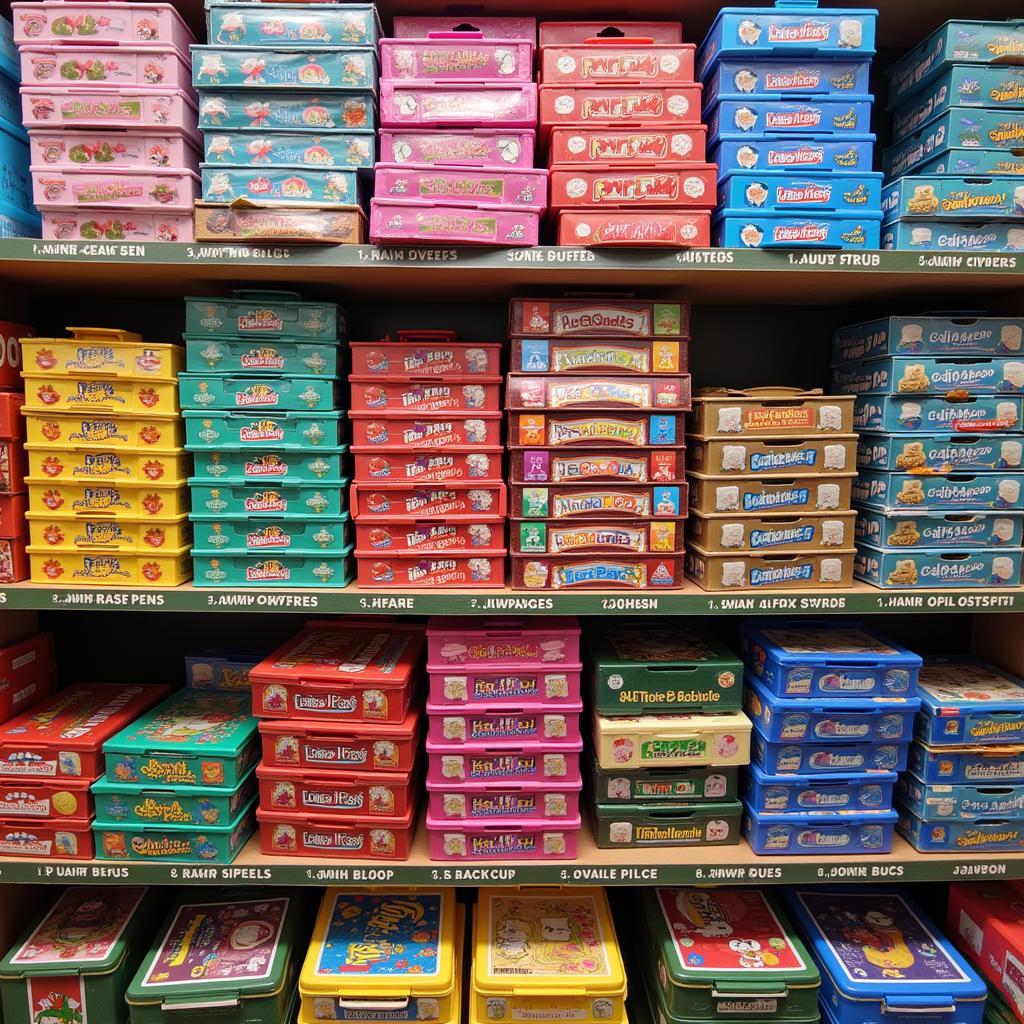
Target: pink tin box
(587, 105)
(503, 641)
(603, 59)
(170, 190)
(485, 186)
(524, 839)
(457, 57)
(599, 391)
(479, 568)
(475, 801)
(425, 431)
(425, 354)
(675, 229)
(631, 187)
(106, 66)
(505, 687)
(572, 33)
(430, 535)
(62, 21)
(66, 150)
(470, 147)
(496, 761)
(452, 394)
(428, 467)
(528, 720)
(166, 110)
(411, 26)
(612, 147)
(405, 501)
(423, 223)
(120, 226)
(488, 103)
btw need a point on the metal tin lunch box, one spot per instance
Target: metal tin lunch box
(788, 494)
(781, 192)
(812, 757)
(769, 412)
(549, 465)
(953, 236)
(751, 230)
(82, 498)
(555, 799)
(122, 803)
(807, 153)
(232, 24)
(861, 937)
(940, 802)
(269, 429)
(76, 960)
(285, 110)
(668, 785)
(501, 687)
(290, 358)
(855, 791)
(224, 498)
(239, 465)
(372, 793)
(254, 148)
(578, 501)
(614, 318)
(973, 161)
(895, 492)
(930, 414)
(609, 355)
(616, 429)
(672, 740)
(398, 501)
(467, 394)
(165, 568)
(595, 571)
(822, 658)
(642, 667)
(430, 535)
(101, 352)
(473, 147)
(747, 533)
(268, 67)
(821, 833)
(425, 431)
(526, 838)
(955, 335)
(632, 825)
(263, 314)
(288, 394)
(961, 836)
(941, 453)
(967, 764)
(326, 187)
(282, 535)
(194, 738)
(453, 463)
(463, 643)
(921, 375)
(441, 57)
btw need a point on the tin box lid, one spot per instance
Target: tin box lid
(952, 685)
(876, 944)
(365, 941)
(830, 705)
(820, 642)
(672, 726)
(196, 721)
(653, 646)
(351, 653)
(731, 940)
(103, 787)
(538, 941)
(86, 932)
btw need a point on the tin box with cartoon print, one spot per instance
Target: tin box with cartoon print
(142, 804)
(944, 195)
(854, 791)
(287, 394)
(931, 375)
(760, 116)
(620, 428)
(931, 414)
(825, 757)
(973, 765)
(664, 785)
(268, 67)
(263, 314)
(242, 24)
(805, 153)
(938, 567)
(894, 492)
(289, 834)
(941, 453)
(822, 833)
(680, 740)
(791, 76)
(781, 192)
(373, 793)
(961, 836)
(963, 802)
(529, 720)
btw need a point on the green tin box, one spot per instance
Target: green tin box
(175, 844)
(258, 465)
(230, 499)
(277, 357)
(121, 803)
(211, 428)
(618, 826)
(665, 785)
(282, 535)
(260, 314)
(646, 667)
(74, 963)
(194, 738)
(726, 953)
(263, 570)
(238, 391)
(231, 955)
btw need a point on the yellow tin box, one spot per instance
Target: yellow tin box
(93, 352)
(127, 465)
(672, 740)
(110, 568)
(154, 535)
(383, 952)
(87, 431)
(546, 953)
(77, 394)
(88, 498)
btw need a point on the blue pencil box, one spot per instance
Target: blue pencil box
(912, 568)
(289, 24)
(819, 832)
(954, 236)
(941, 453)
(853, 792)
(966, 764)
(881, 959)
(898, 492)
(931, 334)
(981, 835)
(928, 415)
(820, 758)
(17, 223)
(832, 720)
(974, 161)
(822, 658)
(265, 67)
(15, 181)
(222, 668)
(738, 152)
(287, 110)
(938, 196)
(763, 116)
(930, 375)
(746, 229)
(783, 191)
(949, 530)
(319, 187)
(939, 802)
(251, 148)
(779, 79)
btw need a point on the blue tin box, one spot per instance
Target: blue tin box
(819, 658)
(939, 802)
(795, 27)
(982, 835)
(15, 180)
(781, 78)
(831, 719)
(937, 567)
(881, 959)
(10, 108)
(744, 229)
(274, 357)
(966, 764)
(280, 535)
(222, 668)
(123, 802)
(974, 161)
(952, 334)
(930, 375)
(955, 42)
(213, 428)
(263, 570)
(262, 67)
(954, 236)
(251, 465)
(942, 530)
(810, 154)
(232, 500)
(317, 187)
(820, 758)
(778, 794)
(252, 148)
(929, 415)
(249, 24)
(782, 191)
(819, 832)
(967, 702)
(214, 391)
(941, 453)
(898, 492)
(758, 117)
(938, 196)
(286, 111)
(16, 223)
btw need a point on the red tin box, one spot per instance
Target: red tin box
(11, 424)
(10, 354)
(13, 466)
(455, 463)
(302, 835)
(637, 466)
(429, 535)
(54, 839)
(597, 572)
(610, 59)
(453, 394)
(692, 185)
(405, 502)
(341, 747)
(425, 354)
(26, 674)
(556, 537)
(350, 671)
(475, 569)
(62, 737)
(675, 229)
(14, 560)
(598, 355)
(569, 33)
(587, 105)
(12, 517)
(558, 391)
(597, 501)
(425, 431)
(604, 316)
(339, 794)
(594, 430)
(39, 798)
(623, 147)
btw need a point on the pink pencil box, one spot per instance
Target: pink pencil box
(60, 21)
(138, 190)
(418, 223)
(411, 26)
(168, 110)
(572, 33)
(503, 641)
(456, 57)
(64, 150)
(415, 501)
(629, 105)
(473, 801)
(486, 186)
(424, 105)
(470, 147)
(119, 226)
(527, 720)
(505, 687)
(469, 394)
(516, 761)
(527, 839)
(106, 66)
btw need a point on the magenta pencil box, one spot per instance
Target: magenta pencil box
(527, 839)
(478, 801)
(451, 186)
(423, 222)
(503, 687)
(489, 26)
(457, 57)
(488, 643)
(421, 104)
(469, 147)
(518, 761)
(529, 720)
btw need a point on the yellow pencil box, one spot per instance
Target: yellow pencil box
(126, 465)
(111, 395)
(153, 534)
(88, 498)
(101, 352)
(110, 568)
(84, 430)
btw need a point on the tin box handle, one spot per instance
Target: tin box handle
(373, 1004)
(753, 989)
(620, 41)
(221, 1003)
(918, 1004)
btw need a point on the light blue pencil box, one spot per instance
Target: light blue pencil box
(267, 67)
(954, 235)
(820, 153)
(949, 530)
(930, 375)
(253, 148)
(969, 492)
(286, 110)
(273, 536)
(941, 802)
(221, 498)
(935, 568)
(779, 79)
(747, 229)
(940, 196)
(266, 24)
(966, 764)
(978, 836)
(758, 116)
(958, 334)
(785, 191)
(336, 186)
(941, 453)
(931, 414)
(271, 394)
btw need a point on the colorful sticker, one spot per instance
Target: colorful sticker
(59, 1000)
